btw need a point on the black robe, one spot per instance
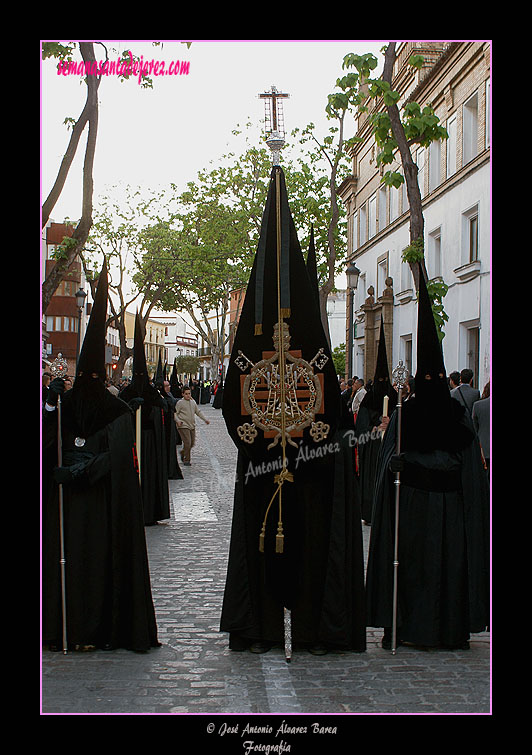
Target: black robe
(218, 396)
(368, 448)
(171, 439)
(153, 455)
(443, 572)
(319, 574)
(108, 592)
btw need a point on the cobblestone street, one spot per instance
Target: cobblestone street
(195, 672)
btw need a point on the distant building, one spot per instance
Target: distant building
(455, 180)
(64, 323)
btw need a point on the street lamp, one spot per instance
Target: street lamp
(352, 274)
(80, 301)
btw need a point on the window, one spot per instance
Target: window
(363, 225)
(420, 162)
(406, 352)
(434, 254)
(394, 203)
(405, 196)
(382, 273)
(470, 129)
(488, 114)
(372, 216)
(355, 231)
(382, 208)
(61, 324)
(451, 146)
(406, 276)
(473, 238)
(470, 235)
(434, 165)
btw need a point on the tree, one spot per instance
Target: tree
(338, 357)
(392, 134)
(71, 247)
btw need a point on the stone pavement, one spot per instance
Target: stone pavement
(194, 672)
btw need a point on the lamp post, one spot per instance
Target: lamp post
(352, 274)
(80, 301)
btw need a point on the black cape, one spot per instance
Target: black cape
(108, 592)
(319, 574)
(218, 396)
(443, 572)
(154, 453)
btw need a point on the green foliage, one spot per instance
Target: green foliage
(338, 357)
(414, 252)
(437, 290)
(421, 125)
(187, 365)
(62, 250)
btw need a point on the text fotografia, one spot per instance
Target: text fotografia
(124, 67)
(308, 453)
(250, 746)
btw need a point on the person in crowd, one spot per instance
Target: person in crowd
(46, 378)
(454, 380)
(358, 394)
(296, 536)
(465, 393)
(186, 410)
(368, 419)
(481, 420)
(142, 396)
(107, 591)
(443, 526)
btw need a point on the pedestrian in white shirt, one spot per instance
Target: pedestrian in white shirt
(186, 410)
(360, 392)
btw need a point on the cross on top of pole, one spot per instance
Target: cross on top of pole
(274, 117)
(274, 122)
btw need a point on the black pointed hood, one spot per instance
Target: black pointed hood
(159, 375)
(139, 386)
(429, 350)
(381, 385)
(278, 284)
(431, 419)
(90, 406)
(92, 355)
(174, 383)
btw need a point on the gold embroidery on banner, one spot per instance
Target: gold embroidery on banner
(303, 393)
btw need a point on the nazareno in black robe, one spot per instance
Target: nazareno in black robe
(444, 536)
(154, 454)
(443, 572)
(319, 574)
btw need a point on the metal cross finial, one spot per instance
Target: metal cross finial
(400, 375)
(274, 123)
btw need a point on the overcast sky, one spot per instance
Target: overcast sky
(151, 138)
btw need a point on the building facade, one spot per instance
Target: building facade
(454, 176)
(64, 322)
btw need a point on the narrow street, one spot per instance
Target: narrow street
(195, 672)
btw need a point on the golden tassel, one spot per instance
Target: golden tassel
(279, 539)
(285, 312)
(258, 329)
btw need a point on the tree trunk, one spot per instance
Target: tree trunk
(410, 169)
(89, 115)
